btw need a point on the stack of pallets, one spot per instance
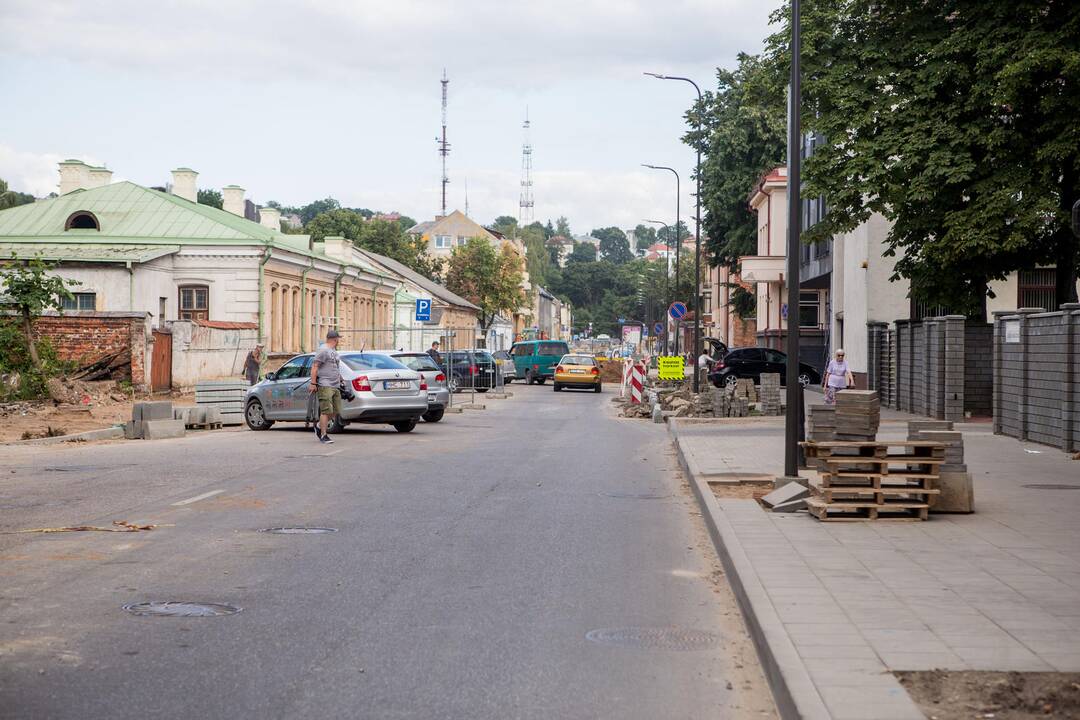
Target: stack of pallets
(874, 480)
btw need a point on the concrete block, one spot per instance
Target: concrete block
(957, 493)
(154, 410)
(132, 430)
(787, 493)
(162, 429)
(791, 505)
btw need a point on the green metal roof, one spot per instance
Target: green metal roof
(126, 211)
(96, 252)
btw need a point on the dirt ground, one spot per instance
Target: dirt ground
(99, 405)
(963, 695)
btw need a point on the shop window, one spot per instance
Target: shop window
(194, 302)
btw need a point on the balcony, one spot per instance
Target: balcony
(763, 268)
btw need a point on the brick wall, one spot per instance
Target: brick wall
(978, 369)
(743, 332)
(1036, 373)
(86, 337)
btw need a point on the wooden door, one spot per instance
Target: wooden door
(161, 362)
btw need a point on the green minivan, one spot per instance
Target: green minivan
(535, 360)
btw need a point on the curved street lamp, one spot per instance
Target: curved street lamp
(678, 240)
(697, 235)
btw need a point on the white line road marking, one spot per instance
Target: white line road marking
(334, 453)
(197, 498)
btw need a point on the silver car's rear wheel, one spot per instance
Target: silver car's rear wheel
(255, 416)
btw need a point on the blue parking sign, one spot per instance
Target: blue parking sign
(423, 310)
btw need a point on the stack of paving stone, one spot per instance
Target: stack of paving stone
(745, 387)
(954, 481)
(858, 415)
(225, 396)
(769, 402)
(153, 421)
(820, 427)
(726, 403)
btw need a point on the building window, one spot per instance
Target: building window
(808, 310)
(1037, 289)
(81, 301)
(443, 241)
(194, 302)
(461, 240)
(82, 220)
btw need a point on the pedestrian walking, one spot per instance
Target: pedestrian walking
(326, 382)
(252, 364)
(433, 351)
(837, 377)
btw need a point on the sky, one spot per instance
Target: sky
(297, 101)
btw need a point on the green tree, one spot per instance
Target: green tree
(583, 253)
(406, 222)
(310, 211)
(33, 291)
(644, 236)
(506, 224)
(210, 197)
(338, 222)
(613, 245)
(667, 236)
(486, 277)
(743, 136)
(957, 121)
(10, 198)
(562, 227)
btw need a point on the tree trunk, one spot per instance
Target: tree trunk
(28, 331)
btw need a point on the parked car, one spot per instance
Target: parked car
(470, 369)
(535, 360)
(385, 391)
(752, 362)
(437, 387)
(506, 365)
(577, 371)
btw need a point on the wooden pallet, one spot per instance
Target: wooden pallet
(878, 495)
(860, 511)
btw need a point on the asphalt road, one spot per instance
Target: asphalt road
(472, 559)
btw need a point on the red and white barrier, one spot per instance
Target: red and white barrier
(637, 382)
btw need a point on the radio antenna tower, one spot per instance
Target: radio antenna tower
(444, 147)
(525, 205)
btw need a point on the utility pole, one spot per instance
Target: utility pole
(444, 146)
(793, 418)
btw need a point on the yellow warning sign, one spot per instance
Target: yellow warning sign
(670, 367)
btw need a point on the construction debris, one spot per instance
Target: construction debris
(787, 498)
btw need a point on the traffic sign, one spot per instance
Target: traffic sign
(677, 310)
(783, 311)
(659, 328)
(423, 310)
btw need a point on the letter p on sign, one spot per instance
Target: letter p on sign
(423, 310)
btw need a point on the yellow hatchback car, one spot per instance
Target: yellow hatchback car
(580, 371)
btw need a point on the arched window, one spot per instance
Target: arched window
(82, 220)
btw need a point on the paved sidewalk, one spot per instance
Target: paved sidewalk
(996, 590)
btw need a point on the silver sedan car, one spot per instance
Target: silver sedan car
(437, 389)
(385, 392)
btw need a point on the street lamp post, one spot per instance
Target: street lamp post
(678, 240)
(697, 233)
(667, 280)
(794, 390)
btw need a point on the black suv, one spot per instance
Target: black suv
(467, 369)
(752, 362)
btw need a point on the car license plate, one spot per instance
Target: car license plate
(398, 384)
(578, 372)
(431, 398)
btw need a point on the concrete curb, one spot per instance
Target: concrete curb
(793, 691)
(102, 434)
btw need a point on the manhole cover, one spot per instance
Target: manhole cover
(181, 609)
(662, 638)
(1052, 486)
(637, 496)
(299, 530)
